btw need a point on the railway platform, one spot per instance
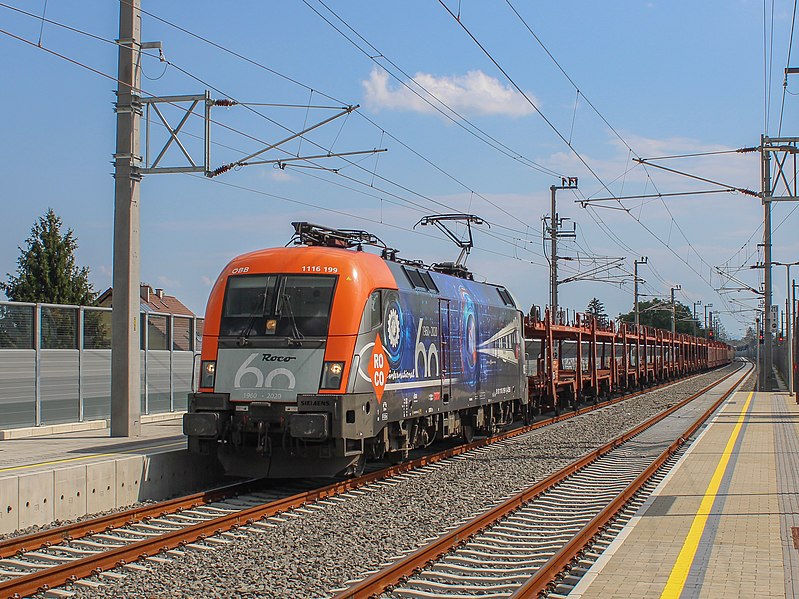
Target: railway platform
(64, 476)
(724, 522)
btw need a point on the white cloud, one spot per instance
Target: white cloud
(167, 283)
(280, 175)
(206, 281)
(474, 93)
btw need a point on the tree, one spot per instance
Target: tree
(597, 310)
(657, 313)
(46, 270)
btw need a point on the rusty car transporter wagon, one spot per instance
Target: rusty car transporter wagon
(612, 359)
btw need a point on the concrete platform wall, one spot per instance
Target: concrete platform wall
(42, 497)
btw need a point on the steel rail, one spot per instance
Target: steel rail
(381, 581)
(51, 577)
(76, 530)
(547, 574)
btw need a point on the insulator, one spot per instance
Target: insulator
(225, 102)
(222, 169)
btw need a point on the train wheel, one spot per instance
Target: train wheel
(395, 457)
(357, 467)
(377, 449)
(527, 414)
(468, 433)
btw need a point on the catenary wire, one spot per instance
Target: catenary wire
(350, 215)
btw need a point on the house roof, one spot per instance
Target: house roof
(152, 300)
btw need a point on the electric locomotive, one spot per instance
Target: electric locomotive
(318, 356)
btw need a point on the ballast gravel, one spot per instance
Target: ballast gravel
(308, 555)
(22, 532)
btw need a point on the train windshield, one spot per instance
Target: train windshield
(277, 305)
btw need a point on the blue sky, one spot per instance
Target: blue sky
(668, 77)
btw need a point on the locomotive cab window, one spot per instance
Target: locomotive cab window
(374, 310)
(415, 278)
(248, 301)
(505, 297)
(282, 305)
(420, 279)
(428, 281)
(304, 305)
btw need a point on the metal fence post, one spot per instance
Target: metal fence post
(171, 341)
(146, 343)
(81, 321)
(37, 346)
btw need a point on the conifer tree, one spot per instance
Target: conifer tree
(46, 270)
(596, 308)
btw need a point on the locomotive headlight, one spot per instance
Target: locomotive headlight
(331, 375)
(336, 368)
(207, 373)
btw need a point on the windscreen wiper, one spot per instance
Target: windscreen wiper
(294, 328)
(243, 338)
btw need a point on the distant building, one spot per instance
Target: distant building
(154, 305)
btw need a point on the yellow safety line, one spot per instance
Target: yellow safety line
(93, 455)
(679, 573)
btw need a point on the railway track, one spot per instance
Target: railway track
(53, 557)
(523, 546)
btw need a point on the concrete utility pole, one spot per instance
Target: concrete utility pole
(554, 232)
(643, 260)
(125, 365)
(781, 186)
(706, 307)
(766, 190)
(674, 309)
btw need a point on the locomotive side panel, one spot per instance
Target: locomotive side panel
(452, 346)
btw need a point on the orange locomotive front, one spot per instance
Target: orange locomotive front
(280, 324)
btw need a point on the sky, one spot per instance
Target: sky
(481, 106)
